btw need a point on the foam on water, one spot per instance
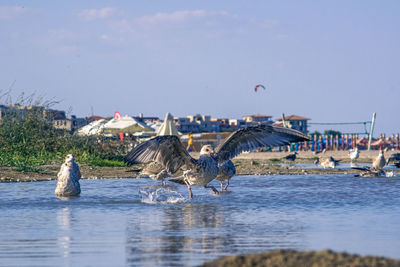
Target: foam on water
(160, 195)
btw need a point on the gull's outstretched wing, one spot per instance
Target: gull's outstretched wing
(254, 137)
(153, 168)
(166, 150)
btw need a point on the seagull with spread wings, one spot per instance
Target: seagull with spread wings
(171, 154)
(226, 171)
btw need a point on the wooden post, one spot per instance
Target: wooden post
(342, 138)
(315, 143)
(355, 140)
(371, 130)
(336, 142)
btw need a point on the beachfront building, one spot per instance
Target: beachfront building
(147, 120)
(72, 124)
(56, 117)
(237, 123)
(184, 125)
(258, 119)
(223, 124)
(295, 122)
(197, 124)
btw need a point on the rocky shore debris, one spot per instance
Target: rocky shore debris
(292, 258)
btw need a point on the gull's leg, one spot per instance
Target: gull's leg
(222, 185)
(226, 187)
(163, 182)
(213, 189)
(190, 189)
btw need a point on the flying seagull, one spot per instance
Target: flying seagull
(172, 155)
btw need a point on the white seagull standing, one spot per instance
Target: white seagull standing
(380, 161)
(354, 154)
(68, 178)
(170, 153)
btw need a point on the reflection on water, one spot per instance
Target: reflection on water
(64, 224)
(110, 225)
(173, 233)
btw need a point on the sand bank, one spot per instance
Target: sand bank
(262, 163)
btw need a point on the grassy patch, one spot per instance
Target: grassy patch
(275, 160)
(106, 163)
(28, 140)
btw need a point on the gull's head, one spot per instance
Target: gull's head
(69, 158)
(207, 150)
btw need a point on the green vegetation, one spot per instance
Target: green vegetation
(275, 160)
(333, 132)
(28, 141)
(326, 132)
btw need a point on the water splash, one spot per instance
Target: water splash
(389, 174)
(160, 195)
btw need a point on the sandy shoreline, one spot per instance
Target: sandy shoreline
(261, 163)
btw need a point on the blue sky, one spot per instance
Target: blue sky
(331, 61)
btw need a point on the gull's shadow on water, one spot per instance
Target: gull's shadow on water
(194, 231)
(167, 235)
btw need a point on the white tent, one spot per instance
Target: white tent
(168, 127)
(126, 124)
(93, 128)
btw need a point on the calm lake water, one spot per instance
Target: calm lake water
(134, 222)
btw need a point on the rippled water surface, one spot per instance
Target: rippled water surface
(118, 222)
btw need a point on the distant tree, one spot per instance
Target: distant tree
(333, 132)
(315, 133)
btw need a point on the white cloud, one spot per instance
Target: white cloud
(11, 12)
(268, 24)
(177, 16)
(93, 14)
(65, 49)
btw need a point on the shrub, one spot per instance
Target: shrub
(28, 140)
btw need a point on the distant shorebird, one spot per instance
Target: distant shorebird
(68, 178)
(226, 171)
(354, 154)
(170, 153)
(329, 163)
(291, 157)
(380, 161)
